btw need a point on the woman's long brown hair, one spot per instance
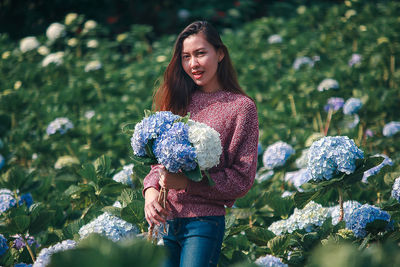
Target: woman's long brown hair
(175, 91)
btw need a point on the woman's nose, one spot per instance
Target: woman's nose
(194, 62)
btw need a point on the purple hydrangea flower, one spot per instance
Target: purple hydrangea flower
(363, 215)
(334, 103)
(173, 149)
(396, 189)
(331, 155)
(19, 243)
(3, 245)
(151, 128)
(352, 106)
(369, 133)
(355, 59)
(376, 169)
(391, 128)
(276, 154)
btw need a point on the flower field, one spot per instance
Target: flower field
(326, 85)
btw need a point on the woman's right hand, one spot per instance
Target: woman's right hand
(154, 212)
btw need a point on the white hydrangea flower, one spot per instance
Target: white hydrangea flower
(124, 176)
(65, 161)
(43, 258)
(56, 58)
(92, 43)
(207, 144)
(312, 215)
(89, 114)
(274, 39)
(72, 42)
(93, 65)
(89, 25)
(55, 31)
(327, 84)
(109, 226)
(28, 43)
(70, 18)
(43, 50)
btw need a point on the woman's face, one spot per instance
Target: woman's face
(200, 61)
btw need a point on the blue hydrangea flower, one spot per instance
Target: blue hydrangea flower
(61, 125)
(124, 176)
(331, 155)
(362, 216)
(109, 226)
(376, 169)
(327, 84)
(270, 261)
(352, 121)
(396, 189)
(264, 176)
(43, 258)
(259, 149)
(173, 149)
(3, 245)
(391, 128)
(297, 178)
(352, 106)
(7, 200)
(151, 128)
(300, 61)
(22, 265)
(2, 161)
(348, 207)
(276, 154)
(334, 104)
(27, 198)
(302, 161)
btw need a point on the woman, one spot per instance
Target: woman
(200, 79)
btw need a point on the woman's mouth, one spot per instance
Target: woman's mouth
(197, 74)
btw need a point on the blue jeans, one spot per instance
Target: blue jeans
(194, 242)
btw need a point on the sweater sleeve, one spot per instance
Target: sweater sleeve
(151, 179)
(236, 179)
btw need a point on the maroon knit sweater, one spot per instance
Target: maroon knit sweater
(234, 116)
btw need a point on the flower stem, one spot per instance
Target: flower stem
(292, 105)
(328, 121)
(341, 204)
(29, 249)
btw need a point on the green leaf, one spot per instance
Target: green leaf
(133, 212)
(88, 172)
(210, 180)
(103, 165)
(259, 236)
(127, 196)
(194, 175)
(72, 229)
(301, 199)
(279, 244)
(112, 189)
(20, 223)
(14, 178)
(376, 226)
(41, 221)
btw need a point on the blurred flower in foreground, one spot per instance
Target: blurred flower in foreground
(352, 106)
(376, 169)
(3, 245)
(334, 103)
(55, 31)
(348, 207)
(363, 215)
(56, 58)
(276, 154)
(93, 65)
(396, 189)
(124, 176)
(109, 226)
(327, 84)
(270, 261)
(331, 155)
(355, 59)
(43, 259)
(28, 44)
(391, 128)
(65, 161)
(61, 125)
(275, 39)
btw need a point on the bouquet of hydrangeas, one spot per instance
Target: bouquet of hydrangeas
(177, 143)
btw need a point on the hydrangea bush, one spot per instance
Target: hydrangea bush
(43, 259)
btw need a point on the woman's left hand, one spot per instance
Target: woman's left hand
(171, 180)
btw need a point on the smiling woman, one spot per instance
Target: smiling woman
(200, 80)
